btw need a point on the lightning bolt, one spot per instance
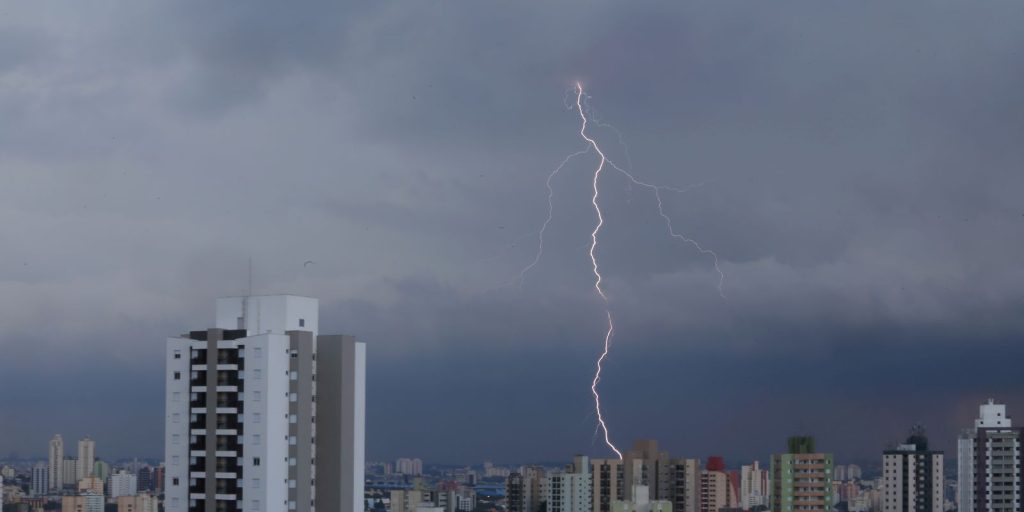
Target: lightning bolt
(591, 143)
(583, 108)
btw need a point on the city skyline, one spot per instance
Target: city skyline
(855, 167)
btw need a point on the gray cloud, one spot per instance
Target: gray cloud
(861, 187)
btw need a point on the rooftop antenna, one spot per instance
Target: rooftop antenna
(250, 276)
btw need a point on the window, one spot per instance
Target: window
(174, 481)
(175, 439)
(177, 353)
(177, 375)
(255, 461)
(302, 322)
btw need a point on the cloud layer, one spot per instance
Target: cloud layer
(859, 172)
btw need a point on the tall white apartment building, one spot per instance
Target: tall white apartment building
(571, 490)
(86, 459)
(263, 413)
(56, 463)
(912, 477)
(754, 486)
(989, 463)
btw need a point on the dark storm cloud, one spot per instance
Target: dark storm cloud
(860, 171)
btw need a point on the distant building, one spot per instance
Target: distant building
(853, 472)
(989, 463)
(70, 471)
(411, 467)
(123, 483)
(840, 473)
(754, 486)
(55, 478)
(570, 490)
(39, 485)
(101, 470)
(675, 480)
(145, 478)
(143, 502)
(912, 476)
(716, 489)
(86, 458)
(641, 502)
(82, 503)
(90, 484)
(801, 478)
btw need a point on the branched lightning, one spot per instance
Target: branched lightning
(551, 209)
(582, 107)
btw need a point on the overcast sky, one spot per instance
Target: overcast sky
(859, 172)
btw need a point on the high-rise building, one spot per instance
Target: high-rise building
(716, 489)
(263, 413)
(523, 489)
(641, 501)
(685, 485)
(86, 458)
(840, 473)
(801, 478)
(40, 483)
(570, 490)
(88, 502)
(101, 470)
(608, 483)
(853, 472)
(56, 465)
(754, 486)
(143, 502)
(989, 463)
(145, 476)
(70, 477)
(666, 479)
(912, 476)
(123, 483)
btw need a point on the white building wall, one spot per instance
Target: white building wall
(262, 314)
(276, 380)
(178, 353)
(123, 484)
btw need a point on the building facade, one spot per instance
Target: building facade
(801, 478)
(989, 463)
(570, 490)
(56, 463)
(754, 486)
(39, 485)
(123, 483)
(912, 477)
(263, 413)
(86, 458)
